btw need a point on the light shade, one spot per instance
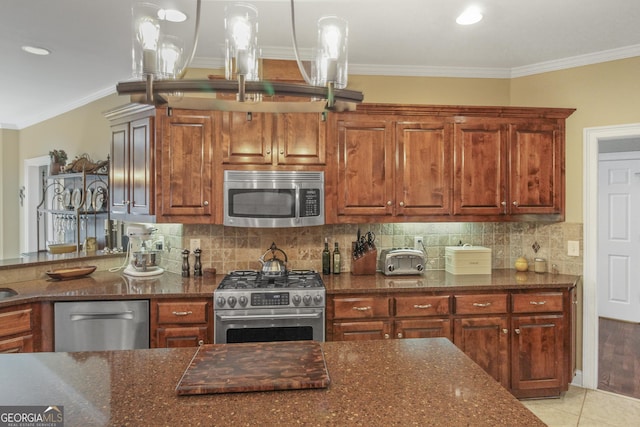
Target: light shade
(330, 65)
(157, 46)
(241, 42)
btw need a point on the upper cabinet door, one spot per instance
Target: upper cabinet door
(186, 153)
(246, 138)
(119, 170)
(365, 168)
(480, 168)
(300, 139)
(141, 173)
(536, 169)
(423, 176)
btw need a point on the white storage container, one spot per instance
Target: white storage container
(467, 259)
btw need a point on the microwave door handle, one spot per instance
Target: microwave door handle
(297, 207)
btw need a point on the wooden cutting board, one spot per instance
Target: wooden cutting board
(229, 368)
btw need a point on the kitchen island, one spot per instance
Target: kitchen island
(422, 382)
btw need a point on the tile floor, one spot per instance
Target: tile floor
(587, 408)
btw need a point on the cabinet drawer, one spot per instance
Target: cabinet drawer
(361, 307)
(15, 322)
(480, 304)
(537, 303)
(182, 312)
(418, 306)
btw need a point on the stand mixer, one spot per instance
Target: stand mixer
(143, 255)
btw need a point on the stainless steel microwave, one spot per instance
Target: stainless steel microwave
(273, 198)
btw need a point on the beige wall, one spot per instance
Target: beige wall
(9, 201)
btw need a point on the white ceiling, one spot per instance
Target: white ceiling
(90, 42)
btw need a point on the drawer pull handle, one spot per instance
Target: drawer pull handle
(422, 306)
(182, 313)
(481, 304)
(537, 302)
(362, 308)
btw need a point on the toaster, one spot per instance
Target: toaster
(397, 262)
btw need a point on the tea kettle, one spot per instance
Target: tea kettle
(274, 265)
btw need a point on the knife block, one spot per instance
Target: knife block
(366, 264)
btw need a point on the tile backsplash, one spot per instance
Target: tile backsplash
(231, 248)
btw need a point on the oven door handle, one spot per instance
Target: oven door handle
(270, 316)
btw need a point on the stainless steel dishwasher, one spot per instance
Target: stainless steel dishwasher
(101, 325)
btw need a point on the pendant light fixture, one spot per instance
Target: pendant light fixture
(160, 62)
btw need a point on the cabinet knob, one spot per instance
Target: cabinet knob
(401, 203)
(268, 151)
(399, 334)
(206, 203)
(389, 203)
(505, 331)
(515, 203)
(281, 151)
(503, 203)
(386, 336)
(201, 342)
(517, 330)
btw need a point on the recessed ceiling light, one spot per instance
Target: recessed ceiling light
(471, 15)
(172, 15)
(36, 50)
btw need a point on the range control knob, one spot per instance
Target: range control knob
(296, 299)
(221, 301)
(232, 301)
(317, 299)
(419, 267)
(391, 267)
(306, 299)
(243, 301)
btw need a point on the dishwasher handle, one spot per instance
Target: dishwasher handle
(122, 315)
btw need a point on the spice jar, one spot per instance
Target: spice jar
(540, 265)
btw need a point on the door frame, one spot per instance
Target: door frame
(591, 142)
(32, 180)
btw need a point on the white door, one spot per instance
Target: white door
(619, 236)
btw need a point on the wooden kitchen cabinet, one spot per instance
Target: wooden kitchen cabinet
(186, 191)
(539, 352)
(131, 170)
(273, 139)
(508, 167)
(523, 338)
(391, 168)
(17, 333)
(399, 163)
(482, 334)
(181, 322)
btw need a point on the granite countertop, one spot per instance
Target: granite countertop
(421, 382)
(108, 285)
(46, 258)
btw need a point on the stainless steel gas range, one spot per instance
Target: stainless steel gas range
(252, 306)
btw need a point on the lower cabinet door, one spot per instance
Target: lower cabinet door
(365, 330)
(486, 341)
(187, 336)
(22, 344)
(537, 353)
(422, 328)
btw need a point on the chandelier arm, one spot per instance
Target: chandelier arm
(295, 46)
(231, 86)
(195, 40)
